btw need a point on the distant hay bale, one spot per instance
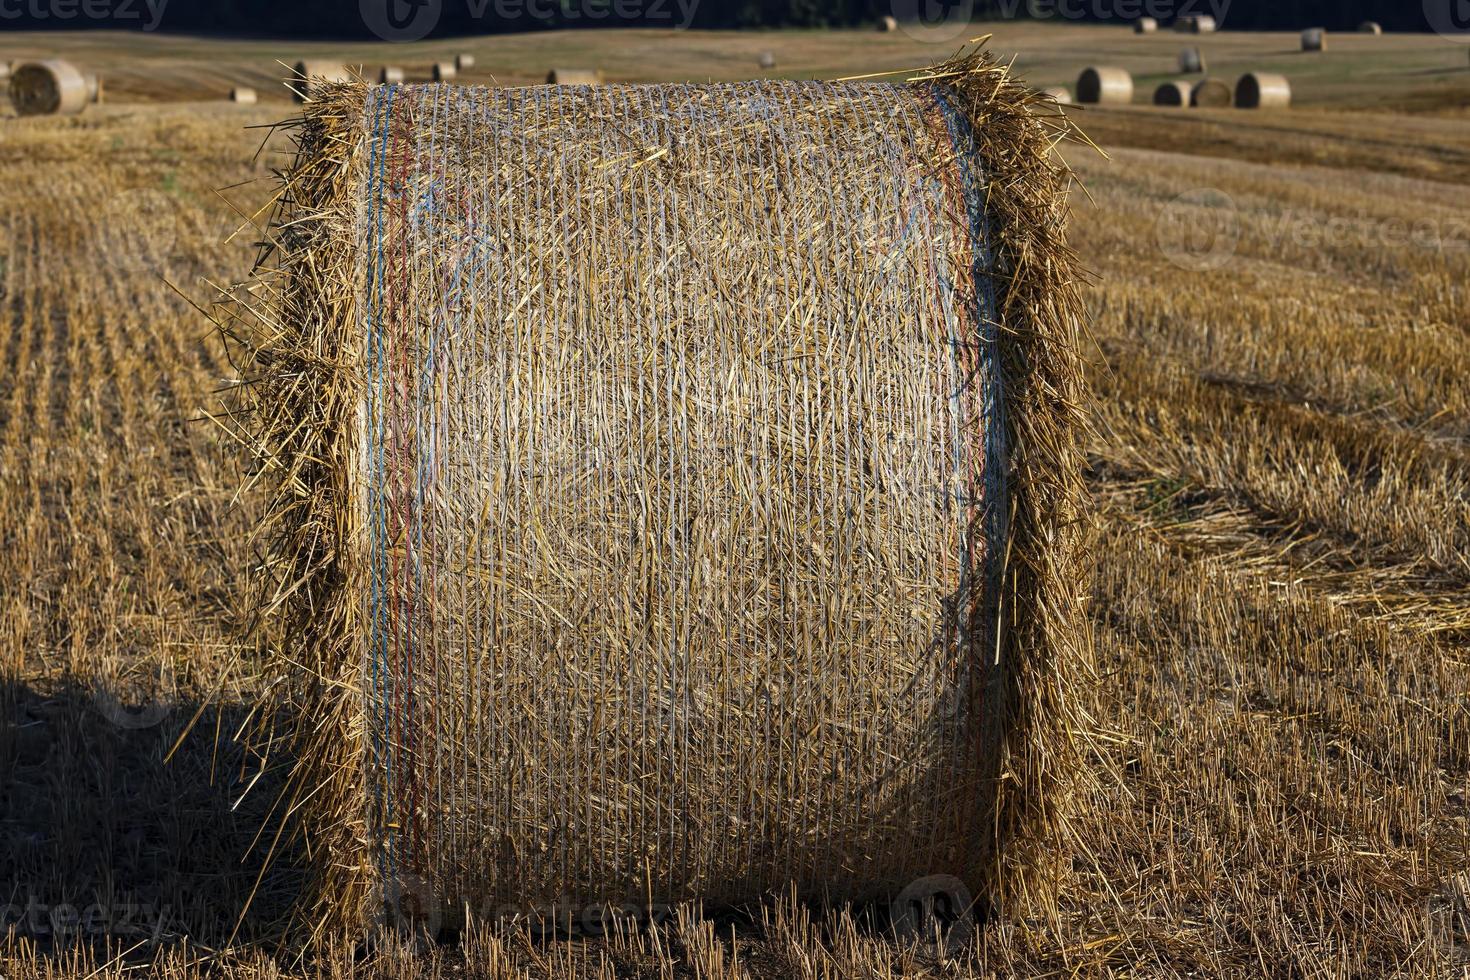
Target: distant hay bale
(887, 23)
(706, 527)
(464, 62)
(1314, 39)
(574, 76)
(1370, 27)
(242, 95)
(1195, 24)
(1104, 85)
(1211, 93)
(1172, 94)
(1058, 94)
(1145, 25)
(49, 87)
(444, 71)
(308, 75)
(768, 60)
(390, 75)
(1191, 61)
(1262, 90)
(94, 88)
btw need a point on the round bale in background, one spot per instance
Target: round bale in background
(1262, 90)
(309, 73)
(1314, 39)
(1195, 24)
(50, 87)
(574, 76)
(1145, 25)
(444, 71)
(1370, 27)
(94, 88)
(391, 75)
(886, 24)
(1211, 93)
(1104, 85)
(768, 60)
(1191, 61)
(464, 62)
(1058, 94)
(242, 95)
(1172, 94)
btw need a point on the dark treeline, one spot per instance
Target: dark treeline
(352, 18)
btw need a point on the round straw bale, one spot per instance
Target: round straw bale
(1145, 25)
(464, 62)
(1172, 94)
(1314, 39)
(768, 60)
(50, 87)
(887, 23)
(1370, 27)
(390, 75)
(1195, 24)
(620, 586)
(1105, 85)
(1191, 61)
(242, 95)
(94, 88)
(1058, 94)
(1211, 93)
(574, 76)
(1262, 90)
(308, 75)
(444, 71)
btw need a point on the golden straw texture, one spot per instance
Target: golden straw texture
(677, 491)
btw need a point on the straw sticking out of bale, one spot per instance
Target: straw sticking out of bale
(768, 60)
(443, 71)
(1314, 39)
(464, 62)
(887, 23)
(1370, 27)
(1262, 90)
(736, 561)
(242, 95)
(52, 87)
(1172, 94)
(1145, 25)
(1191, 61)
(1211, 93)
(574, 76)
(1104, 85)
(308, 75)
(390, 75)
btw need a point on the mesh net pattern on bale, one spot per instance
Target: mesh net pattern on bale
(676, 490)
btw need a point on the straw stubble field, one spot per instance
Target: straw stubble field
(1281, 481)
